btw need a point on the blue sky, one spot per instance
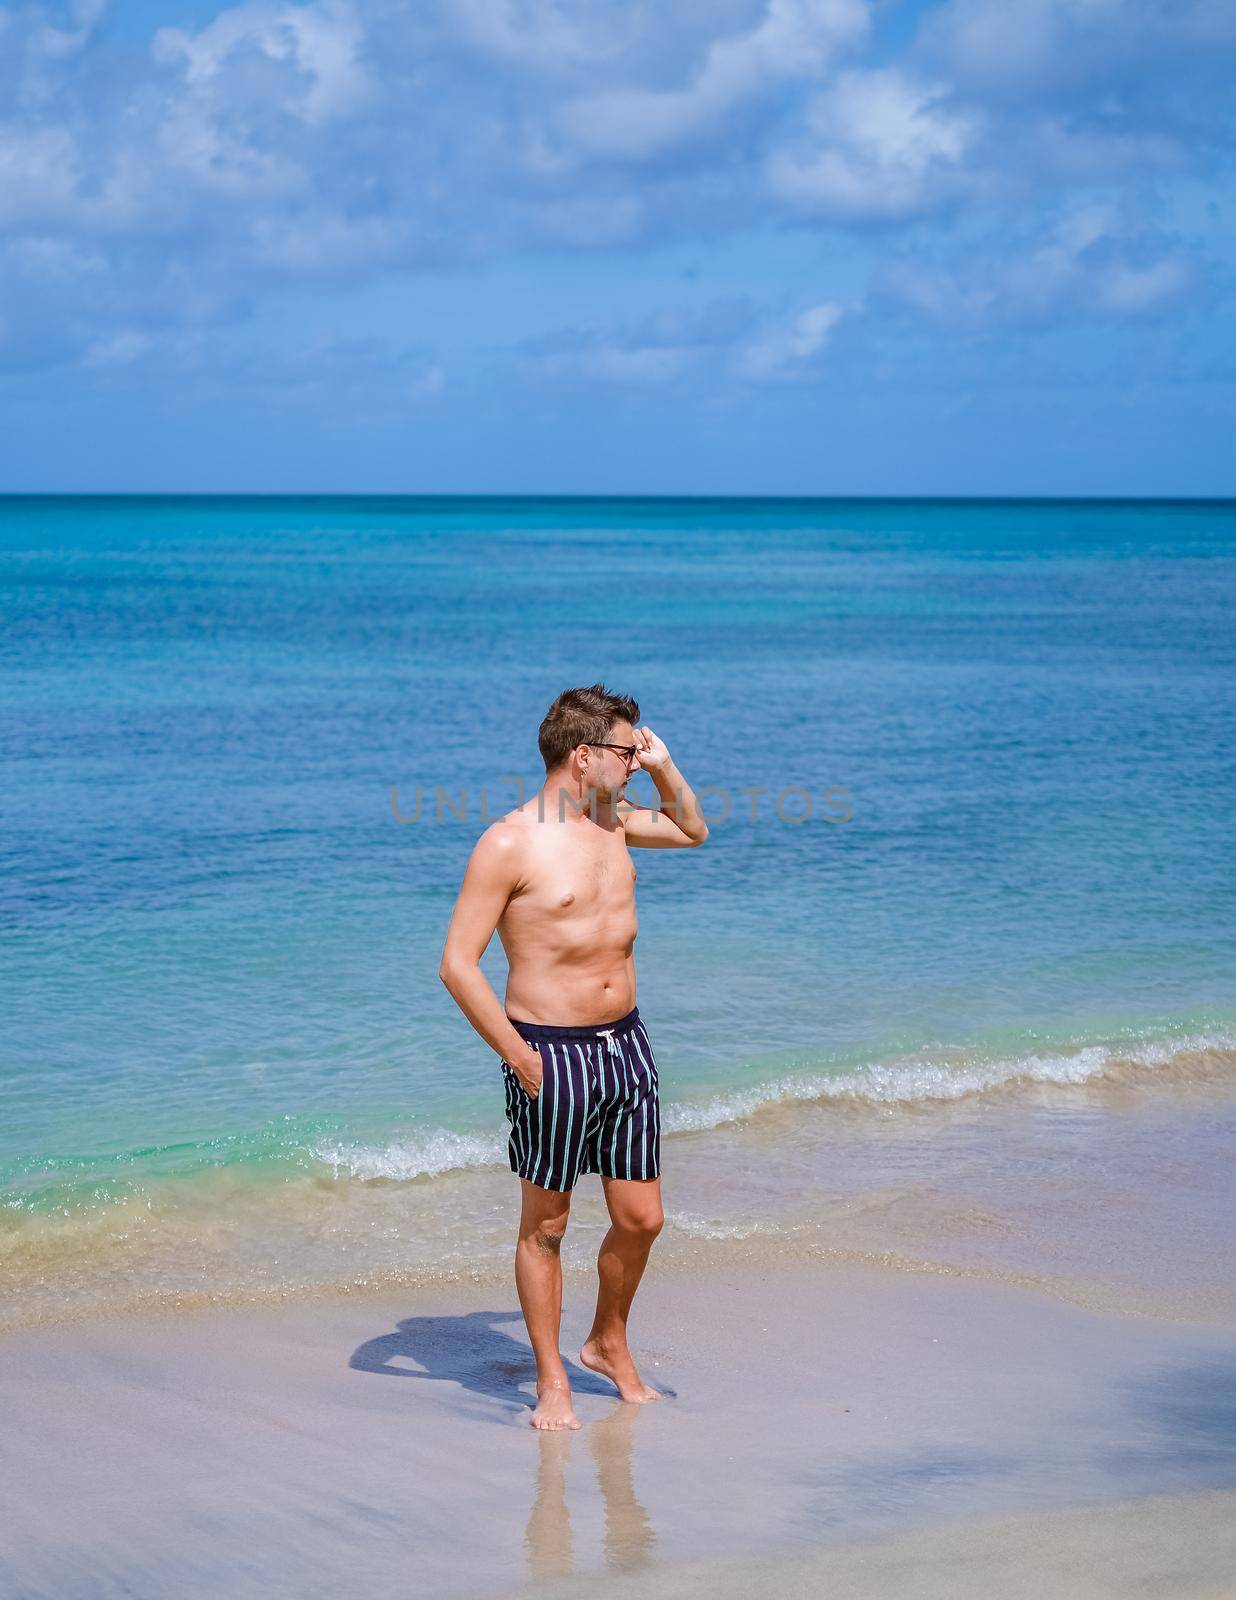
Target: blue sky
(690, 246)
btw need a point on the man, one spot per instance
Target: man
(555, 878)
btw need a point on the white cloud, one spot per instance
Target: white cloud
(593, 221)
(1129, 290)
(1031, 47)
(223, 160)
(788, 353)
(653, 364)
(48, 259)
(117, 350)
(588, 359)
(552, 35)
(878, 145)
(322, 242)
(345, 139)
(1092, 262)
(654, 349)
(85, 16)
(238, 75)
(1082, 265)
(794, 39)
(38, 172)
(318, 43)
(1013, 42)
(1072, 150)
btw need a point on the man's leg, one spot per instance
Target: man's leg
(636, 1219)
(538, 1278)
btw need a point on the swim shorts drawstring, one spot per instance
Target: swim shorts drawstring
(615, 1049)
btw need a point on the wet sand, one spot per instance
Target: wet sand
(1161, 1546)
(828, 1426)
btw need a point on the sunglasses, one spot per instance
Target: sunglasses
(628, 752)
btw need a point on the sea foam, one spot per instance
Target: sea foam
(928, 1076)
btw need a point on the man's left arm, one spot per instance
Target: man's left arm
(678, 823)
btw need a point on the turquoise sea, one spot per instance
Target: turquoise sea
(228, 1064)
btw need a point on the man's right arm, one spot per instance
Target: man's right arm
(490, 879)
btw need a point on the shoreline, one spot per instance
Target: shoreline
(1114, 1199)
(1196, 1309)
(815, 1407)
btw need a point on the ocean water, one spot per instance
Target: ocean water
(228, 1064)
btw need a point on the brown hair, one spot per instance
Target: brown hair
(582, 716)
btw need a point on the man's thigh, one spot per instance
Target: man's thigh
(634, 1203)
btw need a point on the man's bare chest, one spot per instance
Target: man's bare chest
(598, 878)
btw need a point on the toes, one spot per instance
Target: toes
(545, 1423)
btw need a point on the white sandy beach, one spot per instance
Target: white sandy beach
(831, 1428)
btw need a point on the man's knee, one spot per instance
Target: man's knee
(548, 1237)
(644, 1225)
(545, 1227)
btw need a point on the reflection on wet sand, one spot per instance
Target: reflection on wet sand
(629, 1534)
(548, 1534)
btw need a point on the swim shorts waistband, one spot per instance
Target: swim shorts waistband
(590, 1030)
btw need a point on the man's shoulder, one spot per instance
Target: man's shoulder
(507, 850)
(504, 833)
(507, 838)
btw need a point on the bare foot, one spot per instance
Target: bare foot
(615, 1364)
(553, 1406)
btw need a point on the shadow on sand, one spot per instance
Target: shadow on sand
(472, 1351)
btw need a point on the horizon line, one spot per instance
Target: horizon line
(593, 495)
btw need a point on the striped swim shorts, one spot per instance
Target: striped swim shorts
(598, 1109)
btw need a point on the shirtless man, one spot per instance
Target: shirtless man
(555, 877)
